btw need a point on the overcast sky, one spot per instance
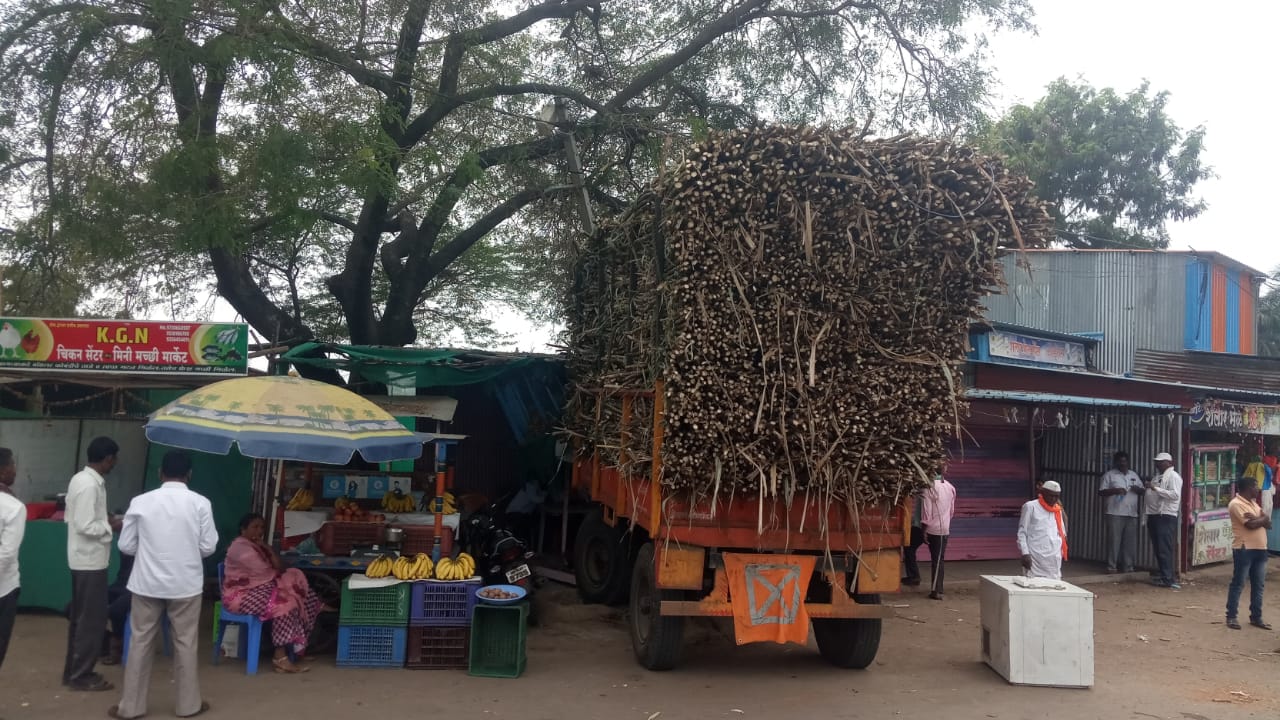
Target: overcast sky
(1215, 59)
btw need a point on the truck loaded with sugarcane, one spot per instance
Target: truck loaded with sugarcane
(765, 352)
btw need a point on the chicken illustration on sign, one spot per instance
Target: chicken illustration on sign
(124, 346)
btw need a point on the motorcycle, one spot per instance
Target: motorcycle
(502, 557)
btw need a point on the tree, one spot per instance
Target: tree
(1269, 318)
(347, 169)
(1114, 168)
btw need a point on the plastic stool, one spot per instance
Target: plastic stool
(250, 646)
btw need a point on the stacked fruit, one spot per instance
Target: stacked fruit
(420, 567)
(463, 568)
(397, 502)
(303, 499)
(429, 504)
(347, 510)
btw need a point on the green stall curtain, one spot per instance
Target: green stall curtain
(42, 561)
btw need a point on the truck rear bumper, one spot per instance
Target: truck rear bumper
(712, 608)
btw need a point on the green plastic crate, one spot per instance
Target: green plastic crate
(498, 640)
(385, 606)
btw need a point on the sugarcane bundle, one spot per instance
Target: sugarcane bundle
(805, 295)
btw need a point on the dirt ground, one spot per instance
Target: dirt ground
(1148, 665)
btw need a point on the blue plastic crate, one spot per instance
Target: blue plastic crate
(443, 603)
(371, 646)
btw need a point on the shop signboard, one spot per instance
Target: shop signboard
(124, 346)
(1212, 538)
(1211, 414)
(1041, 351)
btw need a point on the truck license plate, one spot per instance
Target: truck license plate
(517, 573)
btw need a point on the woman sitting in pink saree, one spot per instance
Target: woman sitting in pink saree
(256, 583)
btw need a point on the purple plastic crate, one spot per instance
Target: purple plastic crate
(443, 603)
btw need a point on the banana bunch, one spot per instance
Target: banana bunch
(460, 569)
(419, 568)
(450, 504)
(397, 502)
(379, 568)
(343, 503)
(301, 500)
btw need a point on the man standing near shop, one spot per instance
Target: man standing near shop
(13, 523)
(1120, 492)
(1042, 533)
(1163, 494)
(89, 531)
(1249, 528)
(938, 507)
(169, 531)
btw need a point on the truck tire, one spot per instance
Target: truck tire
(657, 640)
(849, 642)
(600, 561)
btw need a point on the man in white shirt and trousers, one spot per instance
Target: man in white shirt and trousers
(1120, 492)
(13, 523)
(1042, 533)
(89, 531)
(1164, 494)
(169, 531)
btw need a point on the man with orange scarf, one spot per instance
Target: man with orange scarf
(1042, 533)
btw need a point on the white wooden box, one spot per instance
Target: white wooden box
(1037, 636)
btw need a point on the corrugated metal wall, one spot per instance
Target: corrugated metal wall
(992, 475)
(1218, 314)
(1077, 456)
(1138, 300)
(1247, 317)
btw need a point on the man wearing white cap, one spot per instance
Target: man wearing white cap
(1164, 494)
(1042, 533)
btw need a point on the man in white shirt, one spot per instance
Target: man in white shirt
(169, 531)
(938, 506)
(1120, 491)
(1042, 533)
(1164, 494)
(89, 531)
(13, 523)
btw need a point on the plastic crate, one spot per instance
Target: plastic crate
(421, 539)
(438, 648)
(375, 606)
(498, 640)
(371, 646)
(338, 538)
(443, 603)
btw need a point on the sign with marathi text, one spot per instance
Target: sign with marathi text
(124, 346)
(1043, 351)
(1212, 538)
(1210, 414)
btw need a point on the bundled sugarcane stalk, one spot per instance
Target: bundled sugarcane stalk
(805, 296)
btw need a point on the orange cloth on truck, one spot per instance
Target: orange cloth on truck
(768, 593)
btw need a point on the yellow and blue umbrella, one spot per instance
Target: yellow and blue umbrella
(283, 418)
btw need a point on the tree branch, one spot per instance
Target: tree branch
(425, 122)
(341, 59)
(721, 26)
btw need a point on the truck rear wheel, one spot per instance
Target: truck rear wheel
(849, 642)
(600, 567)
(657, 640)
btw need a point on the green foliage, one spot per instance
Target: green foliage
(1114, 168)
(374, 171)
(1269, 318)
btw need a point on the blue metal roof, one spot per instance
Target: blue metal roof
(1055, 399)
